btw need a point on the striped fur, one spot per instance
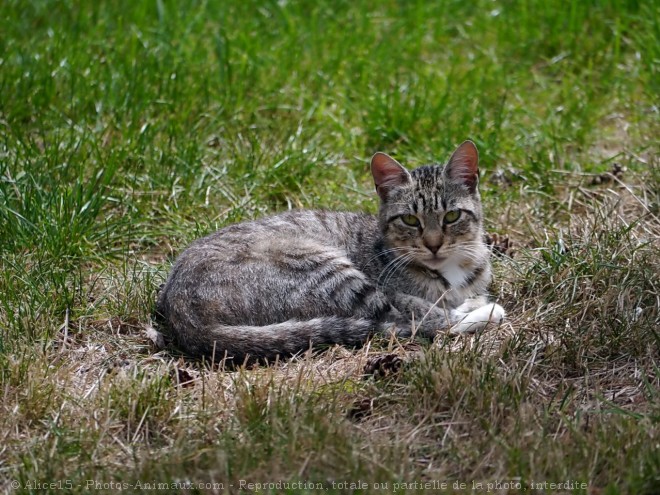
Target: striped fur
(276, 286)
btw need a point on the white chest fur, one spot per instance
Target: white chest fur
(455, 275)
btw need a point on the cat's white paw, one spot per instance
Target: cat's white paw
(478, 319)
(470, 305)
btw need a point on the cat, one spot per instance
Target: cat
(276, 286)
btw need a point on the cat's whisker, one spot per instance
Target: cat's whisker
(467, 248)
(402, 264)
(386, 252)
(393, 267)
(467, 251)
(466, 255)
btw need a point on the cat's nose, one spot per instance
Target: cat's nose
(433, 247)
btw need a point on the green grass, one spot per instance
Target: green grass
(128, 129)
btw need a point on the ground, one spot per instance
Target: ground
(128, 129)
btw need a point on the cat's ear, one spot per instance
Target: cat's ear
(388, 173)
(463, 166)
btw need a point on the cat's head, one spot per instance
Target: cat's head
(432, 215)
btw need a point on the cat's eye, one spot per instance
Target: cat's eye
(452, 215)
(411, 220)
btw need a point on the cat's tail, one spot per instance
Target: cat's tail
(237, 345)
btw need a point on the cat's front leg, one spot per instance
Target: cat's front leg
(421, 317)
(471, 304)
(428, 319)
(475, 314)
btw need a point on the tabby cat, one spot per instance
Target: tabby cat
(276, 286)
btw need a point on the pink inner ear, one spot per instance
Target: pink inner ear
(463, 166)
(387, 173)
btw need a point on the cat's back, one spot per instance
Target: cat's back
(349, 231)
